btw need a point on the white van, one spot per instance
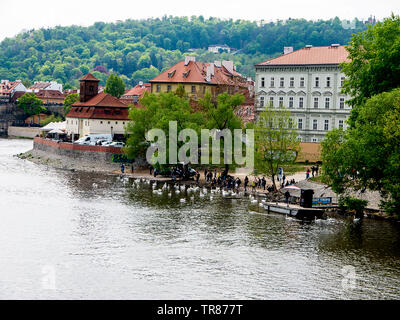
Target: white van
(91, 139)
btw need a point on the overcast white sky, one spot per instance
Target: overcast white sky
(27, 14)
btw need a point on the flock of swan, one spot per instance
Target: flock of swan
(206, 193)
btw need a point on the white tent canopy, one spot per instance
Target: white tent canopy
(55, 125)
(57, 131)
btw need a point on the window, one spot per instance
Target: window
(328, 82)
(262, 82)
(91, 89)
(315, 124)
(193, 89)
(301, 102)
(116, 122)
(290, 102)
(290, 123)
(341, 122)
(204, 89)
(261, 101)
(300, 123)
(341, 81)
(271, 101)
(341, 103)
(282, 82)
(326, 125)
(158, 88)
(327, 102)
(314, 140)
(315, 102)
(317, 82)
(272, 84)
(169, 88)
(301, 82)
(109, 122)
(101, 122)
(280, 102)
(123, 122)
(291, 84)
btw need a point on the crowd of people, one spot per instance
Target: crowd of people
(314, 171)
(225, 181)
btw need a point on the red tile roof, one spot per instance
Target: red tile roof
(137, 91)
(101, 100)
(50, 94)
(90, 77)
(196, 72)
(102, 106)
(310, 56)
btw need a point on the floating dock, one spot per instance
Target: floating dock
(294, 210)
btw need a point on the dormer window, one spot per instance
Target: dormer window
(171, 74)
(186, 74)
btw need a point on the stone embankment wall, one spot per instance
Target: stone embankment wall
(23, 132)
(76, 151)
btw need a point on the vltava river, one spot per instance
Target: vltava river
(68, 235)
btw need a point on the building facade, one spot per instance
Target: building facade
(96, 113)
(308, 82)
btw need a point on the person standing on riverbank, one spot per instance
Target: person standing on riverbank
(246, 182)
(122, 168)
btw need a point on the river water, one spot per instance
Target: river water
(69, 235)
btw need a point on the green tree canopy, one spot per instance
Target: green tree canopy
(375, 62)
(69, 101)
(30, 104)
(115, 86)
(368, 154)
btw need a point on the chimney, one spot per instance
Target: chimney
(188, 59)
(287, 50)
(141, 83)
(228, 65)
(217, 64)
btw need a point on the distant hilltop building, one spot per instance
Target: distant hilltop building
(217, 48)
(308, 82)
(52, 85)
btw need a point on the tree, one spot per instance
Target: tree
(69, 101)
(115, 86)
(31, 104)
(157, 113)
(374, 65)
(220, 114)
(276, 142)
(368, 154)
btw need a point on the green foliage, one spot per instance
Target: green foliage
(30, 104)
(69, 101)
(158, 112)
(368, 154)
(115, 86)
(67, 53)
(51, 118)
(276, 142)
(352, 204)
(375, 63)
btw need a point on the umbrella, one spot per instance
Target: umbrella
(292, 187)
(57, 131)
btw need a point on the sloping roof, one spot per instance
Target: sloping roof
(40, 85)
(101, 100)
(196, 72)
(50, 94)
(102, 106)
(311, 56)
(103, 113)
(137, 90)
(90, 77)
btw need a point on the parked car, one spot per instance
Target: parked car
(91, 139)
(117, 144)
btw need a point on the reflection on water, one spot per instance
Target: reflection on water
(104, 237)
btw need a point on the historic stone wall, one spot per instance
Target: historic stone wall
(23, 132)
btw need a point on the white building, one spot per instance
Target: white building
(215, 48)
(308, 82)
